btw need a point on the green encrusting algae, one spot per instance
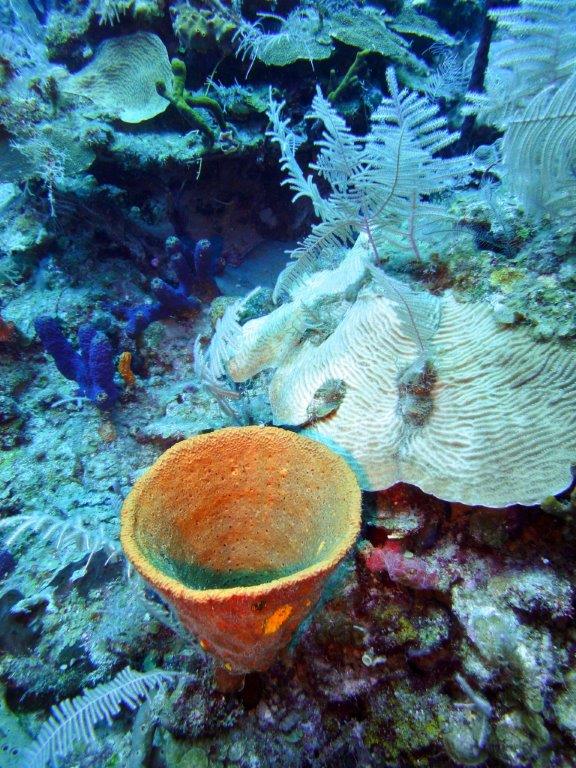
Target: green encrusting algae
(196, 576)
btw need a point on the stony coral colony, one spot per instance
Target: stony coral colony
(415, 160)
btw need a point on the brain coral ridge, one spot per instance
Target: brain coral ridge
(480, 414)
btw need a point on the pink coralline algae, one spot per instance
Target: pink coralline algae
(401, 566)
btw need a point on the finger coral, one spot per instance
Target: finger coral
(238, 529)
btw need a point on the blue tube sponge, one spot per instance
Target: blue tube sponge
(67, 360)
(92, 367)
(174, 300)
(192, 268)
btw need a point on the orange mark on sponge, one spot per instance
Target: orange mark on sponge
(275, 621)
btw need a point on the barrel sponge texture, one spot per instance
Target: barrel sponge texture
(255, 500)
(121, 78)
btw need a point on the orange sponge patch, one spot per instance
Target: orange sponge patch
(238, 529)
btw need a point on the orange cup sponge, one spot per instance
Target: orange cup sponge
(238, 529)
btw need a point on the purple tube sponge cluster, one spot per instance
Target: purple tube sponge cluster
(170, 300)
(91, 367)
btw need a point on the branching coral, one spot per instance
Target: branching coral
(381, 184)
(184, 101)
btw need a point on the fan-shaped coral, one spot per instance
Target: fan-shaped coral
(436, 393)
(121, 78)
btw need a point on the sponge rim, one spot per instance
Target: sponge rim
(173, 588)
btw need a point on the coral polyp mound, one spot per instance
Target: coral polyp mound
(238, 529)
